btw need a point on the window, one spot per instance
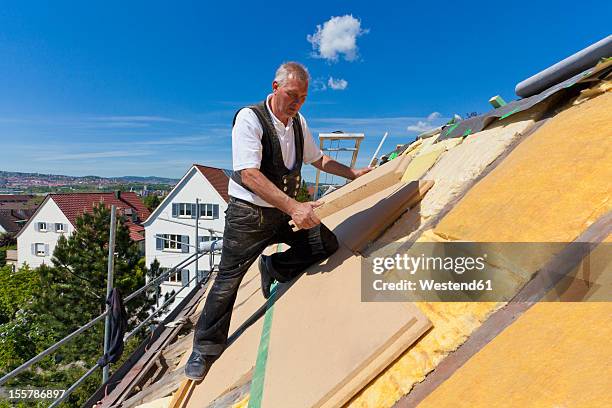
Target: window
(40, 250)
(174, 277)
(172, 242)
(206, 210)
(42, 226)
(185, 210)
(59, 227)
(209, 211)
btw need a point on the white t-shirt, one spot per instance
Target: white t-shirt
(247, 148)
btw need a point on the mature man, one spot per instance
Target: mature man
(270, 141)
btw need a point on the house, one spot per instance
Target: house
(57, 216)
(15, 198)
(11, 259)
(15, 210)
(12, 220)
(170, 230)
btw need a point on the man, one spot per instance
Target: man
(270, 141)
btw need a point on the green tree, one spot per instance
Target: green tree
(7, 239)
(70, 293)
(16, 290)
(303, 195)
(151, 201)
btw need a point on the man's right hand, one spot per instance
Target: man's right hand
(303, 215)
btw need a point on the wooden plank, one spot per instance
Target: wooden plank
(371, 183)
(164, 387)
(360, 224)
(369, 224)
(180, 396)
(326, 344)
(136, 373)
(239, 358)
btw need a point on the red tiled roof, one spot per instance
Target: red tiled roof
(75, 204)
(217, 177)
(136, 231)
(10, 219)
(13, 198)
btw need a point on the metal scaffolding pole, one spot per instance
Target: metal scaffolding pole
(196, 241)
(109, 287)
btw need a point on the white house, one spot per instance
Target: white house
(170, 231)
(57, 216)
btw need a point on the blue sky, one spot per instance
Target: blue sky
(147, 88)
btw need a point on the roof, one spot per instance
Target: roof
(12, 220)
(75, 204)
(136, 231)
(12, 198)
(219, 178)
(485, 184)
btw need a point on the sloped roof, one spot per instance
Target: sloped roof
(13, 198)
(10, 218)
(219, 178)
(8, 221)
(136, 231)
(472, 178)
(75, 204)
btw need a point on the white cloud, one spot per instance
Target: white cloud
(431, 121)
(319, 85)
(337, 84)
(433, 116)
(337, 36)
(420, 126)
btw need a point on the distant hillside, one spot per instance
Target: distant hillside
(40, 183)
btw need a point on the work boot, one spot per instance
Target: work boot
(266, 279)
(197, 366)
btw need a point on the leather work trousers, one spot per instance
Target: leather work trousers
(249, 229)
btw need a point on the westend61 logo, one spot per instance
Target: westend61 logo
(412, 264)
(461, 271)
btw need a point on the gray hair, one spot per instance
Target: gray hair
(291, 70)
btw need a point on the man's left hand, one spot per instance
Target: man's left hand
(360, 172)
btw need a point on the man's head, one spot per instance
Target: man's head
(290, 88)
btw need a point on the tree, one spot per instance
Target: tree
(151, 201)
(68, 294)
(303, 195)
(16, 290)
(7, 239)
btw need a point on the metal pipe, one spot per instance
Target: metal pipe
(197, 240)
(74, 386)
(109, 287)
(86, 326)
(371, 162)
(562, 70)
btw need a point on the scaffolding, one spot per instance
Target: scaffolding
(334, 143)
(209, 248)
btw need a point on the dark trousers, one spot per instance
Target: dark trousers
(249, 229)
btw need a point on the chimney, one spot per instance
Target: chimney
(118, 195)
